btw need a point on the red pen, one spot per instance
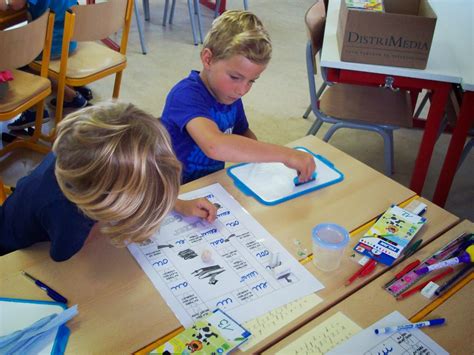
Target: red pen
(422, 285)
(368, 268)
(361, 271)
(404, 271)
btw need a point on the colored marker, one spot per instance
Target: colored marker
(411, 326)
(466, 257)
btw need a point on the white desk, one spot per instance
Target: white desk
(450, 62)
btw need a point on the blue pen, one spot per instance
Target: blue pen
(49, 291)
(410, 326)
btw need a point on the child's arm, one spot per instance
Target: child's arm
(199, 207)
(235, 148)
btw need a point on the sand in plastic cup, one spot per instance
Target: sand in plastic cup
(329, 242)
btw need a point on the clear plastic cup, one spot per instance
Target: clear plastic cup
(329, 242)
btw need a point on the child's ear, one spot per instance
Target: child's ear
(206, 57)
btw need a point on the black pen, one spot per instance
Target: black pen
(450, 283)
(49, 291)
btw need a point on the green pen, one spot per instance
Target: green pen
(412, 249)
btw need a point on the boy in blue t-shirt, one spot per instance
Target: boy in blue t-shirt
(112, 163)
(204, 113)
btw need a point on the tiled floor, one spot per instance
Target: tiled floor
(275, 104)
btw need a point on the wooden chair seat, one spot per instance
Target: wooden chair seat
(24, 88)
(89, 59)
(368, 104)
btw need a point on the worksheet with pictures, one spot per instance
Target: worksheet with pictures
(230, 264)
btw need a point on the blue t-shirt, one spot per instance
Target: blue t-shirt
(38, 211)
(59, 7)
(190, 99)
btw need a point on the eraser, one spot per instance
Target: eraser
(416, 207)
(298, 183)
(430, 289)
(206, 256)
(275, 260)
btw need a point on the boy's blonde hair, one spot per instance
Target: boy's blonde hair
(239, 33)
(116, 163)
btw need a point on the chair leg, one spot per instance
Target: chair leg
(165, 13)
(388, 151)
(307, 112)
(217, 8)
(465, 152)
(198, 14)
(173, 5)
(191, 19)
(118, 80)
(246, 5)
(146, 9)
(139, 26)
(315, 127)
(331, 130)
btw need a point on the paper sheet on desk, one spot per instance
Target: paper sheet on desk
(399, 343)
(273, 321)
(239, 278)
(322, 338)
(33, 327)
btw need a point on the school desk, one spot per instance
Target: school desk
(439, 221)
(463, 12)
(121, 311)
(441, 72)
(372, 303)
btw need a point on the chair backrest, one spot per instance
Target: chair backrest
(3, 195)
(98, 21)
(20, 46)
(315, 20)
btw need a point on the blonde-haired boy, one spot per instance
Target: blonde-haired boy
(112, 163)
(204, 113)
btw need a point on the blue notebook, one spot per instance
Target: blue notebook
(273, 183)
(16, 314)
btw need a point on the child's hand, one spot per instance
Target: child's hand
(199, 207)
(303, 163)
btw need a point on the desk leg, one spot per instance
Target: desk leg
(435, 114)
(456, 145)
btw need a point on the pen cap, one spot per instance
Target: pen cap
(438, 321)
(329, 242)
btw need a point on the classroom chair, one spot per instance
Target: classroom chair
(91, 61)
(218, 7)
(375, 109)
(19, 47)
(3, 195)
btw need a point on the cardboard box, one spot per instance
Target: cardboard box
(401, 36)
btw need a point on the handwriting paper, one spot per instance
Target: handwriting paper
(322, 338)
(274, 320)
(398, 343)
(199, 266)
